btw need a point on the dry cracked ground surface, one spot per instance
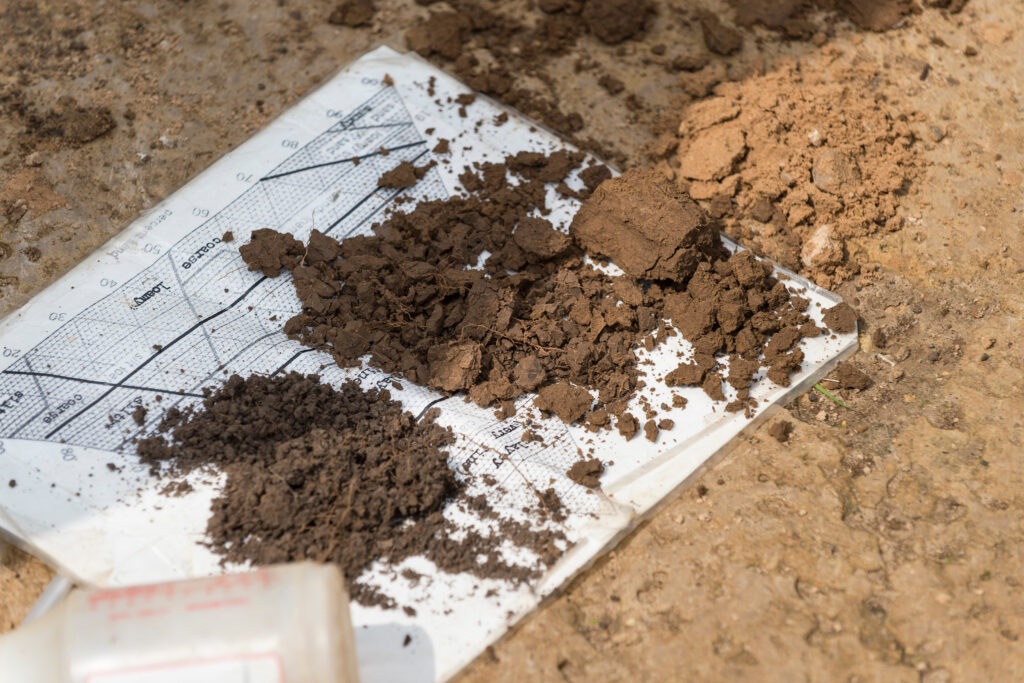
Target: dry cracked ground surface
(884, 541)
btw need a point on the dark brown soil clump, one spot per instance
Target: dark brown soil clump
(719, 38)
(781, 430)
(70, 124)
(270, 252)
(841, 318)
(404, 175)
(342, 475)
(352, 13)
(614, 21)
(852, 377)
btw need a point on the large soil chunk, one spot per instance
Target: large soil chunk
(454, 367)
(568, 401)
(648, 228)
(270, 251)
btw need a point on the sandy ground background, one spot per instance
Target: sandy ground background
(883, 542)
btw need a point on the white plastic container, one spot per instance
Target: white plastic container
(288, 623)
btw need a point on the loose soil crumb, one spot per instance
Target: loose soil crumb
(586, 473)
(337, 475)
(404, 175)
(781, 430)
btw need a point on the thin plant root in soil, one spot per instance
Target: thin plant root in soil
(537, 316)
(339, 475)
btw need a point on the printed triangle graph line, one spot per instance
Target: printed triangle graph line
(67, 385)
(342, 161)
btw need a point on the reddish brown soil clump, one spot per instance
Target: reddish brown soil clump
(768, 158)
(646, 226)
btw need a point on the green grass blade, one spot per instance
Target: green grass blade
(829, 394)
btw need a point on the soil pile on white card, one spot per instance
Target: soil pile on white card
(339, 475)
(536, 316)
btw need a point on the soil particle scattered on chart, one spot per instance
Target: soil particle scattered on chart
(404, 175)
(586, 472)
(341, 475)
(139, 415)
